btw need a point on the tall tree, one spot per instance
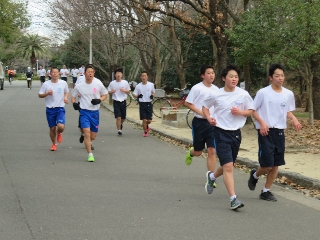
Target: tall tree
(33, 45)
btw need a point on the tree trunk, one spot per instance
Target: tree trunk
(315, 64)
(247, 77)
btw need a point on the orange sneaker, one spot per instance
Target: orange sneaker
(53, 147)
(59, 138)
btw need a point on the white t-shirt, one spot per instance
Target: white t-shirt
(198, 94)
(64, 72)
(81, 70)
(57, 98)
(80, 79)
(42, 72)
(88, 92)
(118, 95)
(273, 107)
(223, 101)
(146, 90)
(74, 72)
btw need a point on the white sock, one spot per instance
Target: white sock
(211, 175)
(119, 130)
(233, 197)
(265, 190)
(90, 154)
(255, 175)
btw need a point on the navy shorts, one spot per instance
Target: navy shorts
(227, 144)
(42, 79)
(120, 109)
(271, 148)
(203, 133)
(74, 79)
(89, 119)
(55, 116)
(145, 110)
(64, 78)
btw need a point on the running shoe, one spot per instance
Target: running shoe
(148, 129)
(119, 133)
(252, 182)
(91, 158)
(189, 157)
(236, 203)
(268, 196)
(53, 147)
(81, 139)
(145, 134)
(59, 138)
(209, 184)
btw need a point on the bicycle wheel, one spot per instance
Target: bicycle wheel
(128, 101)
(160, 103)
(189, 118)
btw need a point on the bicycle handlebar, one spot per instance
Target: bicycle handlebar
(180, 90)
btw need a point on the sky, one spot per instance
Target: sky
(40, 24)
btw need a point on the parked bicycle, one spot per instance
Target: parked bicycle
(167, 102)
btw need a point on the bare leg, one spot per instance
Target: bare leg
(228, 178)
(271, 176)
(211, 160)
(53, 134)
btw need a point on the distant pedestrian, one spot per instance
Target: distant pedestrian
(145, 91)
(92, 93)
(49, 73)
(119, 89)
(273, 105)
(64, 73)
(74, 73)
(202, 131)
(55, 92)
(29, 75)
(232, 105)
(42, 74)
(81, 70)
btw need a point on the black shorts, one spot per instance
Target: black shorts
(271, 148)
(42, 79)
(203, 133)
(227, 144)
(64, 78)
(74, 79)
(145, 110)
(120, 109)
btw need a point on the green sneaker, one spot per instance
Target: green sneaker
(189, 157)
(91, 158)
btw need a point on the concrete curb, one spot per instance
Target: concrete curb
(297, 178)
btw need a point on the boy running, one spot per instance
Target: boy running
(119, 89)
(232, 105)
(56, 94)
(144, 91)
(271, 108)
(202, 131)
(92, 93)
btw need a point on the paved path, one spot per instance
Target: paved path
(138, 188)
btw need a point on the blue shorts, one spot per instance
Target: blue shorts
(89, 119)
(271, 148)
(227, 144)
(120, 109)
(203, 133)
(55, 116)
(145, 110)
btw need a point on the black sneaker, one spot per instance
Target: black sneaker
(81, 139)
(252, 181)
(267, 196)
(92, 148)
(119, 133)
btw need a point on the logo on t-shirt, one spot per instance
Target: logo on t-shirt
(59, 90)
(238, 103)
(282, 105)
(95, 90)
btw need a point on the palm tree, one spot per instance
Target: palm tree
(32, 45)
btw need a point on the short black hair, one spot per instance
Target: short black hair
(204, 68)
(143, 72)
(274, 67)
(89, 66)
(55, 68)
(118, 70)
(230, 67)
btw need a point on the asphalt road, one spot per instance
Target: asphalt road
(137, 188)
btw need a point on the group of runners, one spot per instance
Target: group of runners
(86, 97)
(219, 114)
